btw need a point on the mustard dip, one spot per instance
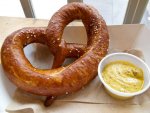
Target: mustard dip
(123, 76)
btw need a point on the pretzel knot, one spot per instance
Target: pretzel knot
(59, 80)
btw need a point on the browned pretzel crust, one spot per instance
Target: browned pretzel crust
(62, 80)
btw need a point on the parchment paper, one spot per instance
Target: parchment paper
(91, 99)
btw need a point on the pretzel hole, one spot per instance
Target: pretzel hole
(39, 55)
(75, 33)
(68, 61)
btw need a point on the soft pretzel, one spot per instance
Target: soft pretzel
(60, 80)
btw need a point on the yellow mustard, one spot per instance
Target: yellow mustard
(123, 76)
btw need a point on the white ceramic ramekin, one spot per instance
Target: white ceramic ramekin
(130, 58)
